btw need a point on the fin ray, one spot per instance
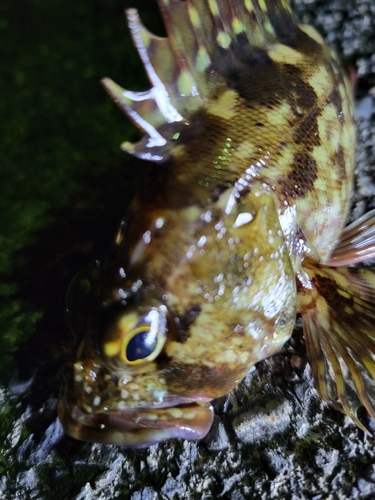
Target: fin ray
(163, 66)
(338, 317)
(357, 242)
(135, 105)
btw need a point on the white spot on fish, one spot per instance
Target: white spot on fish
(147, 237)
(243, 219)
(219, 278)
(202, 241)
(159, 223)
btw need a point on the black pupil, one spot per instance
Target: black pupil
(141, 345)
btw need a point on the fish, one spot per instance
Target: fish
(238, 228)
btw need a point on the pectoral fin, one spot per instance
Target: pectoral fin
(357, 242)
(338, 313)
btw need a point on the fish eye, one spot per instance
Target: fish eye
(135, 339)
(142, 343)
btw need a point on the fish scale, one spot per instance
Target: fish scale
(237, 227)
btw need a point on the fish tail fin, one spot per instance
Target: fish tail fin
(209, 43)
(338, 313)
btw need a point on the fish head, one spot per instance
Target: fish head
(187, 318)
(118, 388)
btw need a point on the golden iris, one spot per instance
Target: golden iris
(134, 339)
(144, 343)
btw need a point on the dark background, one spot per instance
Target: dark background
(64, 183)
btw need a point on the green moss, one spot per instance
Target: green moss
(56, 481)
(8, 416)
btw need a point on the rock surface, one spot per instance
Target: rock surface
(272, 437)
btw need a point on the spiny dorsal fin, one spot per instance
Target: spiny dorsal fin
(209, 42)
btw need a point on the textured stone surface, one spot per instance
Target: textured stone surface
(272, 437)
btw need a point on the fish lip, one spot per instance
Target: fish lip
(137, 427)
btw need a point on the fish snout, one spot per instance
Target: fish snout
(137, 427)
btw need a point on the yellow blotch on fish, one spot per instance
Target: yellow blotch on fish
(238, 227)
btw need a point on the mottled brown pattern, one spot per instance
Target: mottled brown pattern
(259, 87)
(300, 180)
(185, 321)
(335, 97)
(250, 57)
(302, 94)
(338, 161)
(186, 378)
(307, 132)
(327, 288)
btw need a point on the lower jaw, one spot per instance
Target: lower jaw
(147, 433)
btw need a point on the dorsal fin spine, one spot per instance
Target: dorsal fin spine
(187, 69)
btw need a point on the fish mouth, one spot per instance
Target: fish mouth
(137, 427)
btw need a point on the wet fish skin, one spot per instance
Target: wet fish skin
(236, 228)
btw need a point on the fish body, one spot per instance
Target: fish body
(237, 227)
